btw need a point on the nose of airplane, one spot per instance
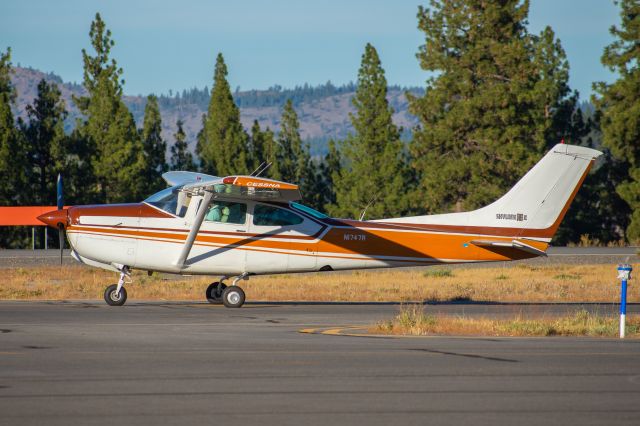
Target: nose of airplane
(55, 217)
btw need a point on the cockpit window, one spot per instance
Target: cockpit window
(171, 200)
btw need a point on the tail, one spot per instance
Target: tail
(533, 208)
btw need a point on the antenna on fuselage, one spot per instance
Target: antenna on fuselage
(261, 169)
(364, 211)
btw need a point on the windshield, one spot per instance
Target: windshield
(308, 210)
(167, 200)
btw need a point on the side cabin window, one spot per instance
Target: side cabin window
(264, 215)
(227, 212)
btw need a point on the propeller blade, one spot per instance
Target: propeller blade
(61, 240)
(59, 194)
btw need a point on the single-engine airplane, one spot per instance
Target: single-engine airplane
(238, 226)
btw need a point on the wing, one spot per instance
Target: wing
(181, 178)
(249, 187)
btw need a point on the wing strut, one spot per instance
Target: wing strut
(197, 223)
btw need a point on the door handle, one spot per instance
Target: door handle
(241, 230)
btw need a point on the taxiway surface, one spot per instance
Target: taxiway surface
(194, 363)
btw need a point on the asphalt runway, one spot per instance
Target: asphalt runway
(193, 363)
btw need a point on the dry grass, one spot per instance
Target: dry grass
(413, 321)
(587, 241)
(555, 283)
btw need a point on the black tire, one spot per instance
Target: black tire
(214, 295)
(114, 299)
(233, 297)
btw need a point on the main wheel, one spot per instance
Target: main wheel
(214, 292)
(233, 297)
(115, 299)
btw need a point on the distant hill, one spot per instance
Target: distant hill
(323, 110)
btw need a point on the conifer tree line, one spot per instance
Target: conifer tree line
(496, 100)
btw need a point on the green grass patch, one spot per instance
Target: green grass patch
(567, 277)
(438, 273)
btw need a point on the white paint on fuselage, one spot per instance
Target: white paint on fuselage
(101, 244)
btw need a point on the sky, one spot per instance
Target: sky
(166, 44)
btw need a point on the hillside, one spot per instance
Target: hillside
(323, 110)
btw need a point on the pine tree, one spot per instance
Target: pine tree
(109, 130)
(263, 148)
(181, 158)
(154, 147)
(46, 141)
(293, 156)
(270, 150)
(375, 173)
(13, 159)
(619, 107)
(222, 143)
(329, 173)
(314, 188)
(492, 107)
(256, 146)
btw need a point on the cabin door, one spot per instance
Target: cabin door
(284, 241)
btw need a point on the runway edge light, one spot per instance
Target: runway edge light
(624, 274)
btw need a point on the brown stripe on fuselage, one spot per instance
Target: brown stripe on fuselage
(116, 210)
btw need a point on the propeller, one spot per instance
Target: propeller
(60, 205)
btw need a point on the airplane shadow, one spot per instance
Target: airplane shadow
(390, 247)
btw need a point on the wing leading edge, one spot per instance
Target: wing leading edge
(249, 187)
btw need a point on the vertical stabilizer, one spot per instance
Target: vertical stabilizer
(535, 206)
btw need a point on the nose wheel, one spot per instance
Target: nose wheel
(113, 297)
(116, 294)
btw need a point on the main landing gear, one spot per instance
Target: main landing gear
(230, 296)
(116, 294)
(218, 292)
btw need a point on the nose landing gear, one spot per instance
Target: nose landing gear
(116, 294)
(113, 297)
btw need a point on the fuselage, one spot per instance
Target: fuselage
(255, 237)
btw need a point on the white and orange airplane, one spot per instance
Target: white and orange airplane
(238, 226)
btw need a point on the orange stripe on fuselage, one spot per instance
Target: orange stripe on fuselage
(342, 242)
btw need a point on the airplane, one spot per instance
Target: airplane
(239, 226)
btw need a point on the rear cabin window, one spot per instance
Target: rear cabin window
(264, 215)
(227, 212)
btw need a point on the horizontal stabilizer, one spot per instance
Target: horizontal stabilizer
(514, 244)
